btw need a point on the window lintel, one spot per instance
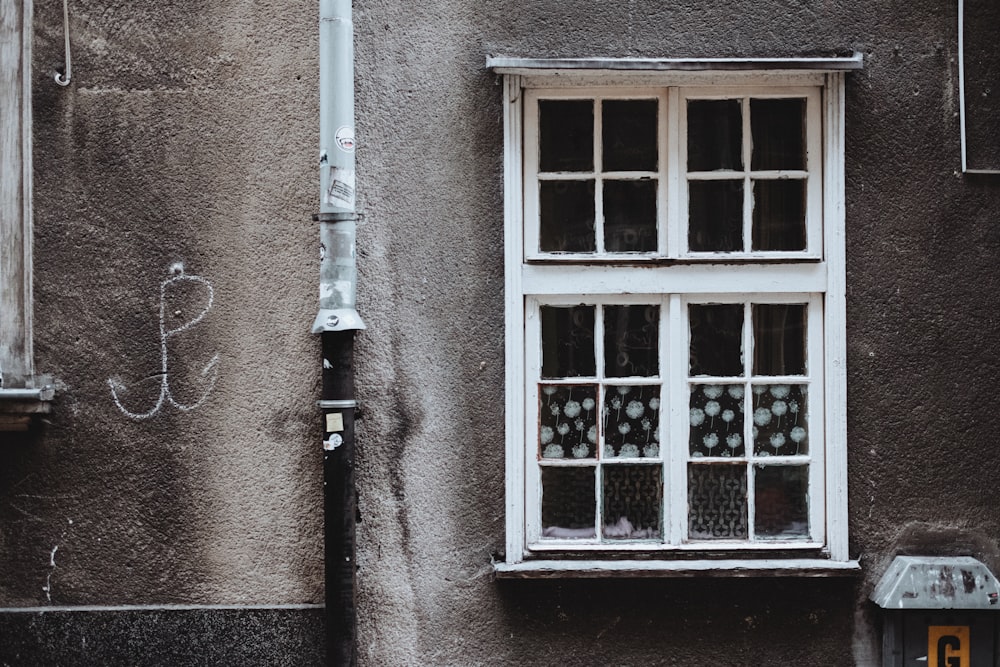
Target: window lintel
(516, 65)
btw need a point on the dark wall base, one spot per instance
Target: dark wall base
(175, 637)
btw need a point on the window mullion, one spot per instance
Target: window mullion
(598, 176)
(599, 465)
(747, 181)
(532, 356)
(748, 394)
(674, 436)
(667, 209)
(677, 170)
(817, 414)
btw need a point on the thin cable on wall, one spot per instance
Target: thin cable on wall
(62, 78)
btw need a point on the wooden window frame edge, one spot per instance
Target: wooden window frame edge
(23, 393)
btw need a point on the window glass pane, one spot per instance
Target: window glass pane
(778, 129)
(568, 341)
(633, 502)
(779, 215)
(631, 422)
(630, 216)
(567, 216)
(717, 502)
(716, 339)
(715, 216)
(780, 427)
(629, 135)
(567, 420)
(569, 503)
(781, 506)
(631, 341)
(566, 135)
(779, 339)
(716, 417)
(715, 135)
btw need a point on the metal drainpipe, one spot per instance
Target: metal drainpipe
(337, 322)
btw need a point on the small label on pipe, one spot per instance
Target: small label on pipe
(333, 442)
(335, 422)
(341, 190)
(345, 138)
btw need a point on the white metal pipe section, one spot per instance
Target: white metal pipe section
(337, 215)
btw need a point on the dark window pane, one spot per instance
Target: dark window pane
(782, 509)
(566, 135)
(715, 135)
(631, 422)
(567, 421)
(569, 502)
(778, 131)
(715, 220)
(631, 341)
(630, 216)
(568, 341)
(716, 417)
(567, 217)
(780, 424)
(633, 502)
(779, 339)
(629, 135)
(779, 215)
(716, 339)
(717, 502)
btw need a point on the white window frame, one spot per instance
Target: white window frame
(817, 276)
(675, 388)
(672, 196)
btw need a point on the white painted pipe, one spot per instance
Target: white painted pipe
(337, 213)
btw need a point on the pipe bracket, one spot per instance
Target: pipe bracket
(345, 404)
(336, 217)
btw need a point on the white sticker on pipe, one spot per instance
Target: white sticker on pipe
(335, 422)
(341, 190)
(345, 138)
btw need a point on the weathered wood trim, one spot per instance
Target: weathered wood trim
(15, 193)
(514, 65)
(514, 318)
(836, 320)
(22, 394)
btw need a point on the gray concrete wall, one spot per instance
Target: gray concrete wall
(190, 135)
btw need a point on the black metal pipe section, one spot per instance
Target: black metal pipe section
(339, 497)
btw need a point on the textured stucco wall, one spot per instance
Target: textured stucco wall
(189, 135)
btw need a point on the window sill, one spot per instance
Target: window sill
(19, 406)
(590, 569)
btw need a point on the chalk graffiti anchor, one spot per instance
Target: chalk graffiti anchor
(209, 371)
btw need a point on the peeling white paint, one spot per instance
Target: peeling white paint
(48, 580)
(343, 288)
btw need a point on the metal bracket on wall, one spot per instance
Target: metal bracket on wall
(18, 406)
(62, 78)
(337, 405)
